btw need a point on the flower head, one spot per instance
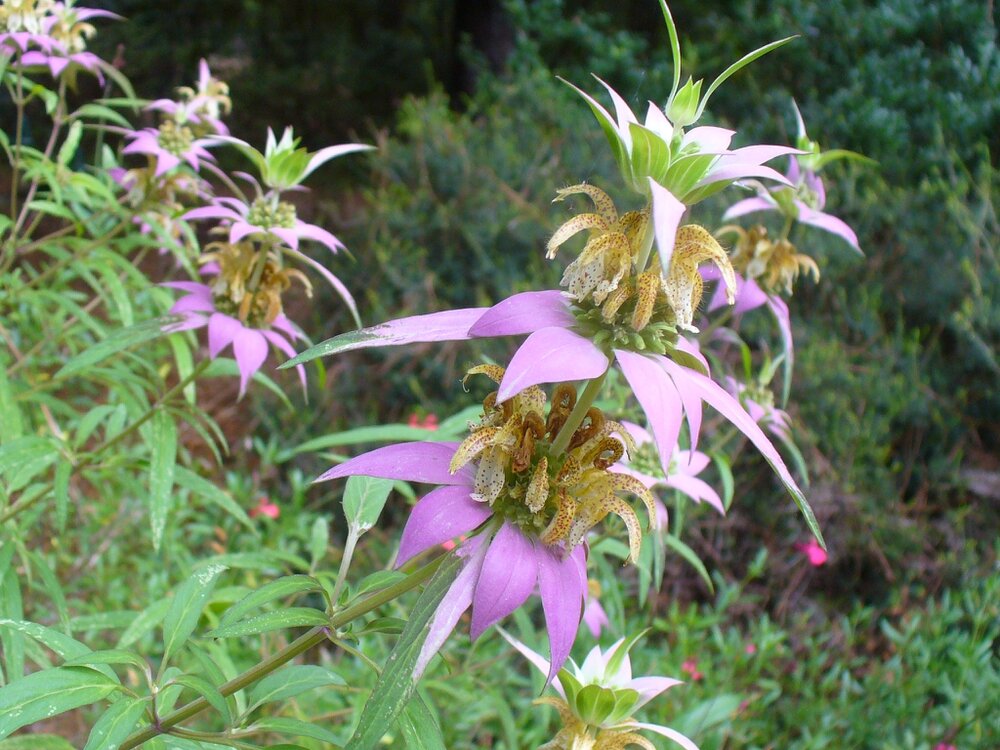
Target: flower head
(200, 107)
(51, 34)
(816, 555)
(265, 508)
(537, 506)
(598, 698)
(168, 146)
(214, 307)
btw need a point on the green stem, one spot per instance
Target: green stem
(177, 388)
(345, 562)
(300, 645)
(575, 418)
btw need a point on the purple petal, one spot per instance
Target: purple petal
(193, 287)
(222, 329)
(710, 140)
(250, 348)
(289, 236)
(411, 462)
(658, 398)
(760, 154)
(333, 281)
(442, 514)
(749, 295)
(509, 573)
(241, 229)
(282, 344)
(525, 313)
(318, 234)
(692, 462)
(623, 113)
(450, 325)
(748, 206)
(551, 355)
(594, 617)
(697, 490)
(193, 303)
(827, 223)
(713, 394)
(165, 162)
(562, 602)
(738, 171)
(779, 308)
(667, 213)
(455, 602)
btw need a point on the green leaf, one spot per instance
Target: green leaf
(419, 728)
(689, 554)
(364, 498)
(675, 48)
(282, 588)
(10, 413)
(209, 692)
(163, 443)
(379, 580)
(289, 617)
(68, 149)
(292, 681)
(23, 458)
(117, 342)
(294, 727)
(205, 490)
(319, 540)
(144, 621)
(343, 342)
(42, 695)
(95, 111)
(739, 64)
(396, 684)
(111, 656)
(116, 724)
(185, 608)
(60, 489)
(36, 742)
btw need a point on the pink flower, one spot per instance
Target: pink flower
(750, 649)
(265, 507)
(816, 555)
(170, 145)
(450, 544)
(250, 345)
(502, 567)
(594, 616)
(944, 746)
(682, 473)
(428, 422)
(690, 668)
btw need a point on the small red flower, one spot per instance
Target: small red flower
(429, 422)
(817, 555)
(690, 668)
(265, 508)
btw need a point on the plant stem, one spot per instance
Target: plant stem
(345, 562)
(575, 418)
(177, 388)
(300, 645)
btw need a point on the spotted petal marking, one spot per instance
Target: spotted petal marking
(602, 201)
(683, 285)
(575, 225)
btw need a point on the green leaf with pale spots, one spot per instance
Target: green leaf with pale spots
(42, 695)
(343, 342)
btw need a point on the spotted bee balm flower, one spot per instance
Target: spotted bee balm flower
(598, 698)
(532, 507)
